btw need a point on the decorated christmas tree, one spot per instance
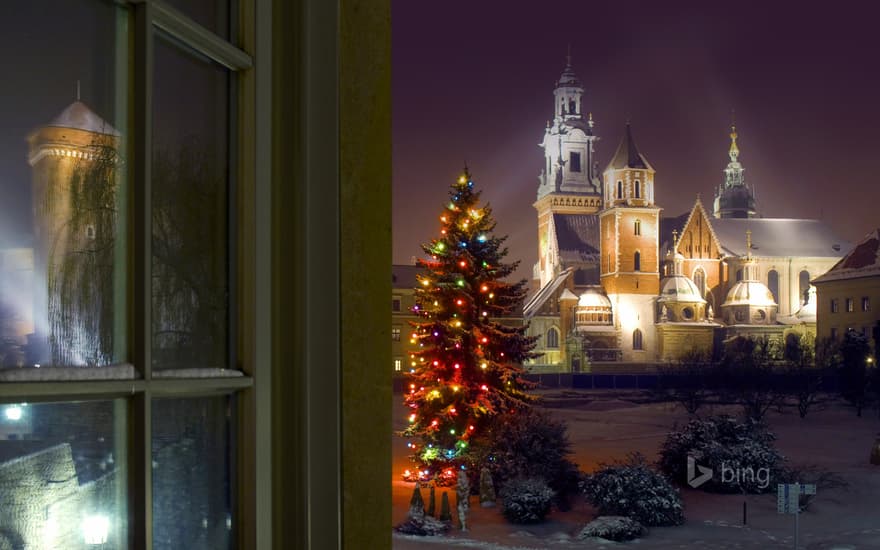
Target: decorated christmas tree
(467, 370)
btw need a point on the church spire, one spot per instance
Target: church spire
(734, 150)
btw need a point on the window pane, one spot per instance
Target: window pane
(191, 486)
(190, 180)
(62, 484)
(62, 221)
(212, 14)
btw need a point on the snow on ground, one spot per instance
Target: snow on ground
(604, 426)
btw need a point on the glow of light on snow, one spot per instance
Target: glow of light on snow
(95, 529)
(13, 412)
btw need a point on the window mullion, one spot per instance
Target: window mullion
(140, 459)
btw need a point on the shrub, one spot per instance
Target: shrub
(724, 444)
(631, 488)
(529, 444)
(616, 528)
(526, 500)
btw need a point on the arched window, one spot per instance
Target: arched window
(619, 189)
(700, 281)
(637, 227)
(804, 284)
(553, 338)
(739, 275)
(773, 284)
(637, 339)
(637, 261)
(638, 189)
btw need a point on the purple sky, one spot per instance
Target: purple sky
(473, 81)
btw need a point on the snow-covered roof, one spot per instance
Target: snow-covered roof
(540, 298)
(594, 297)
(862, 261)
(628, 155)
(678, 288)
(78, 116)
(577, 237)
(778, 237)
(752, 293)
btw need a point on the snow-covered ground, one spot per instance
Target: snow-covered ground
(605, 426)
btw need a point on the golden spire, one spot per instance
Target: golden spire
(734, 150)
(749, 243)
(675, 240)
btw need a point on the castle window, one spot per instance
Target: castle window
(866, 303)
(687, 313)
(553, 338)
(638, 189)
(395, 334)
(804, 284)
(849, 305)
(637, 227)
(90, 231)
(619, 189)
(739, 275)
(398, 365)
(700, 280)
(395, 304)
(574, 162)
(835, 305)
(637, 339)
(637, 261)
(834, 333)
(773, 284)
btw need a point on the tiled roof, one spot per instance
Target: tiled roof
(628, 155)
(862, 261)
(577, 236)
(779, 237)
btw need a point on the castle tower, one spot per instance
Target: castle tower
(569, 191)
(74, 161)
(630, 267)
(733, 198)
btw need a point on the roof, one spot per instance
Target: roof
(628, 155)
(533, 305)
(667, 225)
(678, 288)
(568, 77)
(577, 236)
(404, 276)
(752, 293)
(778, 237)
(78, 116)
(862, 261)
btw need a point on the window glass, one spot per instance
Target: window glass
(575, 162)
(62, 481)
(212, 14)
(190, 219)
(62, 226)
(191, 475)
(773, 284)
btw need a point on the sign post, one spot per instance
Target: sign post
(788, 501)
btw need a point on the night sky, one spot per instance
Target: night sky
(473, 81)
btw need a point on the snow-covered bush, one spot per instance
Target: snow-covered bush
(616, 528)
(632, 489)
(740, 454)
(529, 444)
(426, 526)
(526, 500)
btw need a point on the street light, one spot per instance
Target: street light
(95, 529)
(13, 412)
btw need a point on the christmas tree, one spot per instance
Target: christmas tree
(468, 367)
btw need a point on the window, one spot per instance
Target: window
(700, 280)
(140, 286)
(552, 338)
(835, 305)
(637, 261)
(638, 189)
(637, 339)
(574, 162)
(834, 333)
(398, 365)
(739, 275)
(849, 305)
(866, 303)
(804, 285)
(619, 189)
(773, 284)
(395, 303)
(395, 334)
(637, 227)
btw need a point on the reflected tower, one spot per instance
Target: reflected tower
(73, 160)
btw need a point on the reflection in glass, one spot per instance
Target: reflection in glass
(190, 178)
(62, 223)
(62, 480)
(191, 461)
(212, 14)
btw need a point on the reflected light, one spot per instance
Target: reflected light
(95, 529)
(13, 412)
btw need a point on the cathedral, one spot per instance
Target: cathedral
(616, 283)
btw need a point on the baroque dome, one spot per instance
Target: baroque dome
(678, 288)
(753, 293)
